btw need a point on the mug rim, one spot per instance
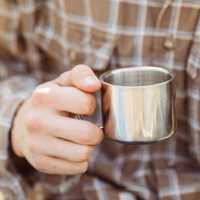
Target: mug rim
(134, 68)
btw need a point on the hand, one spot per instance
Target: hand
(43, 131)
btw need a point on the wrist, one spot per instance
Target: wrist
(15, 144)
(16, 132)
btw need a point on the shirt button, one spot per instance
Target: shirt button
(169, 44)
(72, 55)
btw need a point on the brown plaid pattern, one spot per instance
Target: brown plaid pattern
(40, 39)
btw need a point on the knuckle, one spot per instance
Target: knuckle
(41, 94)
(33, 121)
(81, 67)
(37, 97)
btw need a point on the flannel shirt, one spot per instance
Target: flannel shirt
(41, 39)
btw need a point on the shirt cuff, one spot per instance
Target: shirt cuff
(7, 115)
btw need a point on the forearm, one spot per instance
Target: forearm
(13, 91)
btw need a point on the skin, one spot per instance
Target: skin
(45, 134)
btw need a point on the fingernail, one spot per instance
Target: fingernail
(91, 80)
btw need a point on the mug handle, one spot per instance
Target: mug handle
(97, 117)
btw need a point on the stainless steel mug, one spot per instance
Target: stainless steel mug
(137, 104)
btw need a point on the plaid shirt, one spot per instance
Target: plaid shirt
(41, 39)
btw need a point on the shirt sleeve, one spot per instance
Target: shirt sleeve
(14, 89)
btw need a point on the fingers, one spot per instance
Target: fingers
(81, 77)
(77, 131)
(68, 99)
(62, 148)
(57, 166)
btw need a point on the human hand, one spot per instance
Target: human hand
(43, 131)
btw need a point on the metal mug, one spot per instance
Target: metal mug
(137, 104)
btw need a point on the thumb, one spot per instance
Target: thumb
(82, 77)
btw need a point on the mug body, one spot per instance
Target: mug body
(138, 104)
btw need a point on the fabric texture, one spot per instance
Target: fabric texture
(41, 39)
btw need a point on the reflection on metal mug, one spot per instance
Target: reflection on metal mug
(136, 104)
